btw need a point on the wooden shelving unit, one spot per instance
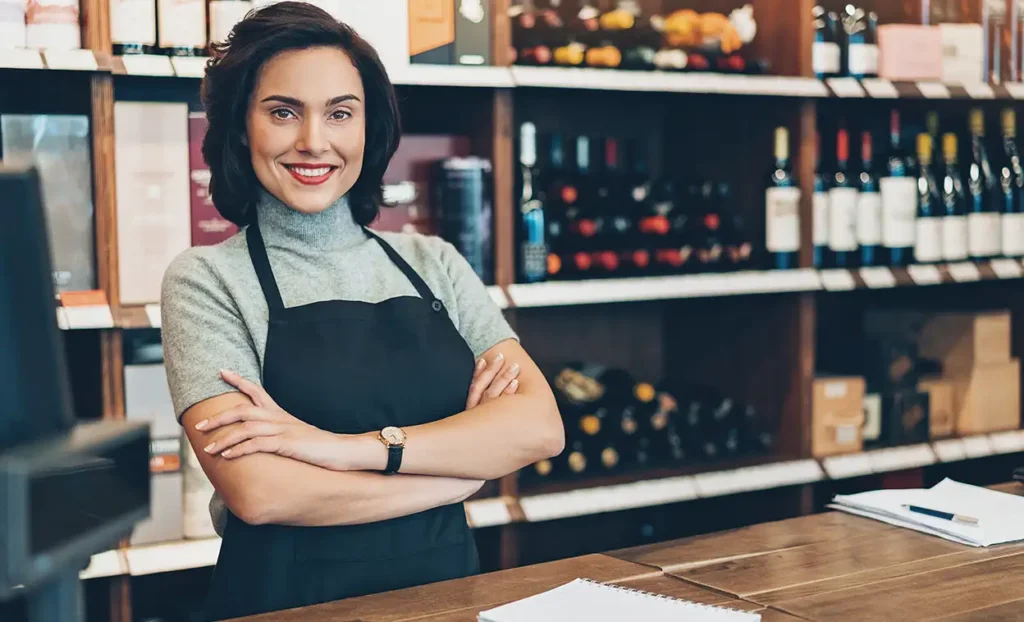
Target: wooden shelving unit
(775, 314)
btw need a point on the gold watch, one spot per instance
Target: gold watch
(394, 439)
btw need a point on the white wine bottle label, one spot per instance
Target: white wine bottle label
(899, 210)
(224, 14)
(863, 60)
(826, 57)
(869, 219)
(133, 22)
(928, 240)
(983, 235)
(842, 219)
(954, 238)
(820, 223)
(782, 206)
(182, 23)
(53, 25)
(1013, 235)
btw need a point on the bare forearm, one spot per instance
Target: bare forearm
(295, 493)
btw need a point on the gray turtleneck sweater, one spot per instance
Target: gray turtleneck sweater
(215, 316)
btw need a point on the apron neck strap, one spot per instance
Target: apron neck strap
(260, 261)
(404, 266)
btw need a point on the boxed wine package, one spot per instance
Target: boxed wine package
(208, 226)
(837, 415)
(909, 52)
(961, 341)
(59, 147)
(988, 398)
(152, 178)
(941, 405)
(450, 32)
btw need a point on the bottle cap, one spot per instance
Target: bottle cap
(924, 148)
(949, 146)
(977, 122)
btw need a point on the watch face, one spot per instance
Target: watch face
(394, 436)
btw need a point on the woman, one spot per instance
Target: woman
(352, 420)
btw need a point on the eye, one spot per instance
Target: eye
(340, 115)
(282, 114)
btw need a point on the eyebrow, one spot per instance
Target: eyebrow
(291, 101)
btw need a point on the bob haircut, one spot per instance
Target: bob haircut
(228, 85)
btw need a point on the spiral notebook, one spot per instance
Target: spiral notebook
(588, 600)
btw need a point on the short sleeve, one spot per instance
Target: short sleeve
(481, 322)
(203, 333)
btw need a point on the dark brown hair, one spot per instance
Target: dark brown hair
(228, 85)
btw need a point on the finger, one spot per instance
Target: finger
(481, 363)
(501, 382)
(240, 433)
(260, 444)
(512, 388)
(235, 415)
(483, 380)
(256, 393)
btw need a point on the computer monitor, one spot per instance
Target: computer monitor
(67, 490)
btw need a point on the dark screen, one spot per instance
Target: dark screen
(34, 394)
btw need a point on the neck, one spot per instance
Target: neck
(331, 229)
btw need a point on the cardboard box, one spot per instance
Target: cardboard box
(905, 417)
(988, 399)
(432, 31)
(962, 341)
(941, 405)
(910, 52)
(837, 415)
(963, 47)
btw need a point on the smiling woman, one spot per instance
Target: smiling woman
(342, 388)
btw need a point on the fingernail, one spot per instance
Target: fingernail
(500, 357)
(226, 452)
(209, 447)
(202, 424)
(515, 368)
(513, 384)
(480, 364)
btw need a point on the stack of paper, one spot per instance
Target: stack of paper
(999, 514)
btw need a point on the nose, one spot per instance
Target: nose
(313, 137)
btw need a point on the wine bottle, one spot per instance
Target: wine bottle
(582, 226)
(636, 256)
(181, 27)
(612, 206)
(869, 206)
(928, 234)
(861, 29)
(1012, 180)
(842, 207)
(782, 208)
(820, 213)
(655, 227)
(133, 26)
(560, 196)
(954, 204)
(983, 236)
(533, 250)
(528, 34)
(710, 243)
(825, 53)
(899, 200)
(224, 14)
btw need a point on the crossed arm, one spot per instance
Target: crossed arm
(271, 468)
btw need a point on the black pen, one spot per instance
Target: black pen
(956, 518)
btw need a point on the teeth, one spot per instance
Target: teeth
(312, 172)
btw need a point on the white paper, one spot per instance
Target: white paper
(999, 514)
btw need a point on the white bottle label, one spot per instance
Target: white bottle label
(826, 57)
(869, 219)
(820, 223)
(863, 59)
(954, 238)
(224, 14)
(133, 21)
(182, 23)
(782, 212)
(899, 209)
(842, 219)
(983, 236)
(1013, 235)
(928, 240)
(53, 25)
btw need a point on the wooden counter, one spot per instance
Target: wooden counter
(830, 566)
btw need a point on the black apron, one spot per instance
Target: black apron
(351, 367)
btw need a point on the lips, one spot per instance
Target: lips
(311, 174)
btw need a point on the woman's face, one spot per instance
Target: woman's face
(306, 127)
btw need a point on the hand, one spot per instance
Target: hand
(265, 427)
(491, 381)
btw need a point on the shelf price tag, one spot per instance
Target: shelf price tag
(950, 450)
(878, 277)
(189, 66)
(848, 465)
(70, 60)
(21, 59)
(845, 87)
(933, 90)
(147, 65)
(1007, 442)
(488, 512)
(1007, 268)
(924, 274)
(980, 90)
(899, 458)
(1015, 89)
(977, 446)
(153, 314)
(88, 309)
(837, 280)
(964, 272)
(880, 89)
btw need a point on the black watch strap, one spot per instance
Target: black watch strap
(394, 459)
